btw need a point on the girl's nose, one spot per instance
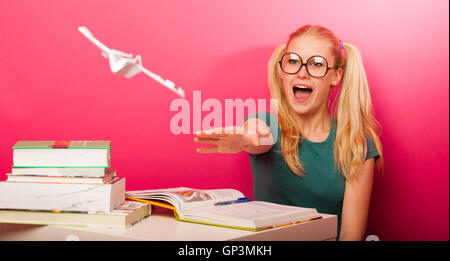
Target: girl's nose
(303, 73)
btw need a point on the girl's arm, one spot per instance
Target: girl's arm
(355, 209)
(235, 139)
(263, 132)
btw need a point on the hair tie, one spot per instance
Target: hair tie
(344, 53)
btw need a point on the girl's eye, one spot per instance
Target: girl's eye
(317, 62)
(293, 61)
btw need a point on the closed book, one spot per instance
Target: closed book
(61, 179)
(62, 196)
(62, 154)
(62, 171)
(125, 215)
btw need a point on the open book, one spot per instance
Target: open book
(224, 207)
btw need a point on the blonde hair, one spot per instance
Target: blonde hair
(352, 109)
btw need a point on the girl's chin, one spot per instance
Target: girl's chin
(301, 111)
(300, 107)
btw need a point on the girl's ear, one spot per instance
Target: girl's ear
(337, 76)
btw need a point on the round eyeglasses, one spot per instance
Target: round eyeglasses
(316, 66)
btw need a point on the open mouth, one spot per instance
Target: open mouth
(302, 93)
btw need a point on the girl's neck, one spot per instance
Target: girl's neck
(315, 127)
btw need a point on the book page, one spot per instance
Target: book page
(253, 214)
(254, 210)
(182, 196)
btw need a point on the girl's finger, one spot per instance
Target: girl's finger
(211, 134)
(206, 140)
(220, 132)
(209, 149)
(205, 132)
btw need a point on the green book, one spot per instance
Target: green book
(62, 154)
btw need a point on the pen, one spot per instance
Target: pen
(239, 200)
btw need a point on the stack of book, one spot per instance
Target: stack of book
(52, 179)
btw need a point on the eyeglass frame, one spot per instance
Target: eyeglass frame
(306, 65)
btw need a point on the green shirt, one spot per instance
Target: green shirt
(321, 188)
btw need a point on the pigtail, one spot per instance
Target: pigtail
(354, 117)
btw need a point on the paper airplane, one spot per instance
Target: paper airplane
(124, 63)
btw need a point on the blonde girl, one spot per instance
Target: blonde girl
(327, 149)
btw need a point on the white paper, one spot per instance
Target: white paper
(124, 63)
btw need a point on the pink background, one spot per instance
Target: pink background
(55, 85)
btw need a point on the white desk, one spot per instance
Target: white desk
(162, 226)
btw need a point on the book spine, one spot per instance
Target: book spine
(57, 196)
(60, 167)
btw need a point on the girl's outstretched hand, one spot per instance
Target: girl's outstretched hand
(226, 140)
(235, 139)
